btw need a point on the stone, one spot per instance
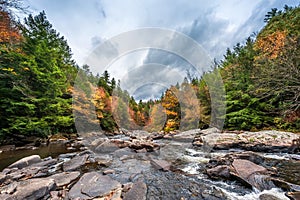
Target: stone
(252, 174)
(106, 147)
(65, 178)
(33, 189)
(92, 185)
(293, 195)
(161, 164)
(138, 191)
(268, 197)
(24, 162)
(108, 171)
(222, 171)
(3, 177)
(75, 163)
(186, 136)
(245, 168)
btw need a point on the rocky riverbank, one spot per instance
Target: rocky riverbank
(141, 165)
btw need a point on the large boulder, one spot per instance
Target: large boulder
(252, 174)
(24, 162)
(92, 185)
(30, 189)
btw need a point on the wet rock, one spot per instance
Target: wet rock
(161, 164)
(268, 197)
(169, 185)
(138, 191)
(33, 189)
(92, 185)
(64, 178)
(222, 171)
(24, 162)
(251, 174)
(75, 163)
(245, 168)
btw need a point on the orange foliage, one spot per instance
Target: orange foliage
(8, 32)
(271, 45)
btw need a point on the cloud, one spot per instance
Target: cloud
(215, 25)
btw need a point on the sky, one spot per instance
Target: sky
(146, 72)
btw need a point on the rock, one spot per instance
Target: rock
(139, 134)
(3, 177)
(26, 172)
(127, 186)
(245, 168)
(108, 171)
(106, 147)
(252, 174)
(103, 160)
(210, 131)
(123, 152)
(33, 189)
(45, 163)
(9, 189)
(141, 150)
(293, 195)
(64, 178)
(66, 156)
(143, 144)
(222, 171)
(138, 191)
(75, 163)
(24, 162)
(161, 164)
(186, 136)
(92, 185)
(7, 148)
(268, 197)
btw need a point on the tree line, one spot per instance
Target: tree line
(37, 78)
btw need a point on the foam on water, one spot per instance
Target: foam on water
(255, 194)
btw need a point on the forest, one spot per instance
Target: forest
(37, 75)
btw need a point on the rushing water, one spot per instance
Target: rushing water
(289, 170)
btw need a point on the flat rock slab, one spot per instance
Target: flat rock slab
(186, 136)
(92, 185)
(31, 189)
(65, 178)
(138, 192)
(246, 168)
(24, 162)
(75, 163)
